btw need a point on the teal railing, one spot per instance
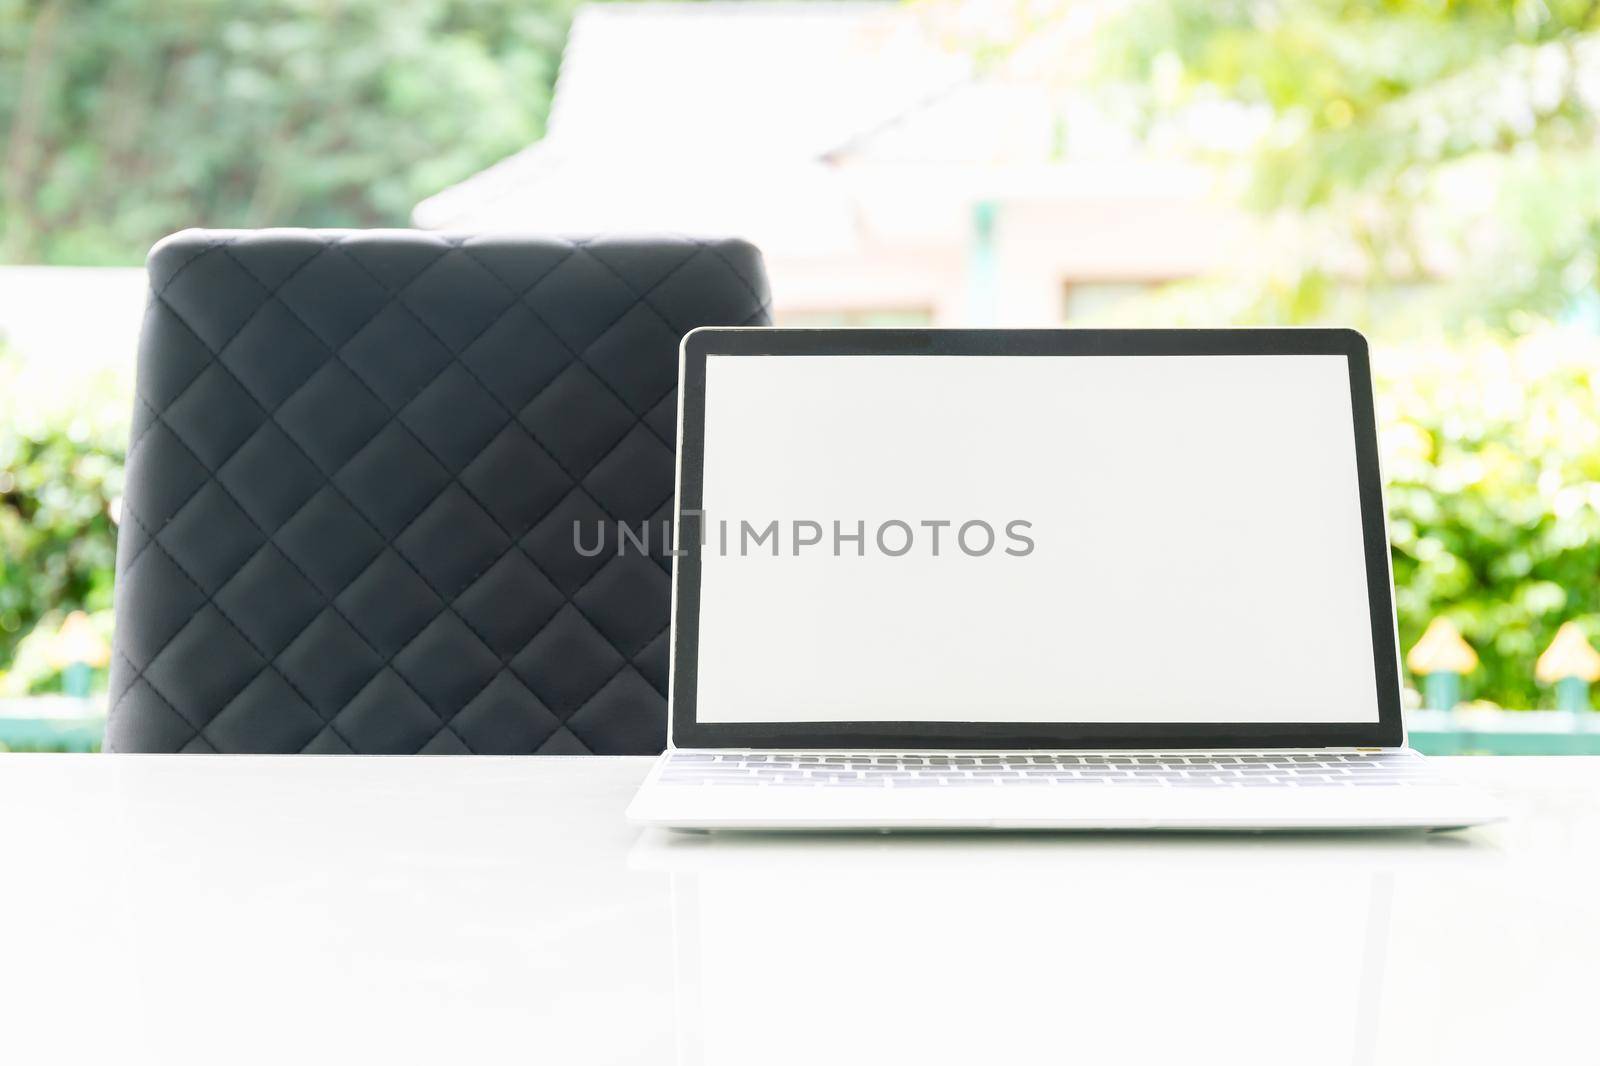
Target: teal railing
(64, 723)
(51, 723)
(1491, 732)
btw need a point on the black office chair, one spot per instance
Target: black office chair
(357, 461)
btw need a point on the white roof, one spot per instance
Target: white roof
(783, 122)
(703, 116)
(767, 80)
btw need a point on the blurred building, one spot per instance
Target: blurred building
(78, 317)
(888, 175)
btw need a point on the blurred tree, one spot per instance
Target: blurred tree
(1451, 143)
(61, 458)
(123, 120)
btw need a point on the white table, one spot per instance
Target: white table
(197, 909)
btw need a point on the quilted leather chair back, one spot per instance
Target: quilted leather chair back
(356, 463)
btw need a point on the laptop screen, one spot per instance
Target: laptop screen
(1023, 539)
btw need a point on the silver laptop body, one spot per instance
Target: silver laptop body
(1034, 579)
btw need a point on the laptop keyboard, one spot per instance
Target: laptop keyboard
(770, 769)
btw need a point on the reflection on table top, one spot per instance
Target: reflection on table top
(202, 909)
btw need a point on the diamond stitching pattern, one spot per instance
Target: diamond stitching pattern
(352, 459)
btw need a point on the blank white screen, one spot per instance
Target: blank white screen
(1196, 527)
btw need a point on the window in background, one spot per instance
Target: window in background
(904, 316)
(1094, 303)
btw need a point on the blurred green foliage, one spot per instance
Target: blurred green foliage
(125, 120)
(1492, 457)
(1402, 141)
(61, 455)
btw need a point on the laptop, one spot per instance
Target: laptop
(1034, 579)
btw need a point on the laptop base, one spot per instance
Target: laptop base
(1068, 803)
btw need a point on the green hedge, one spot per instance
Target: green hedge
(62, 438)
(1492, 457)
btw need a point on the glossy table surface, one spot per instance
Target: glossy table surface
(197, 909)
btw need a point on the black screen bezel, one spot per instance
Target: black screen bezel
(686, 732)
